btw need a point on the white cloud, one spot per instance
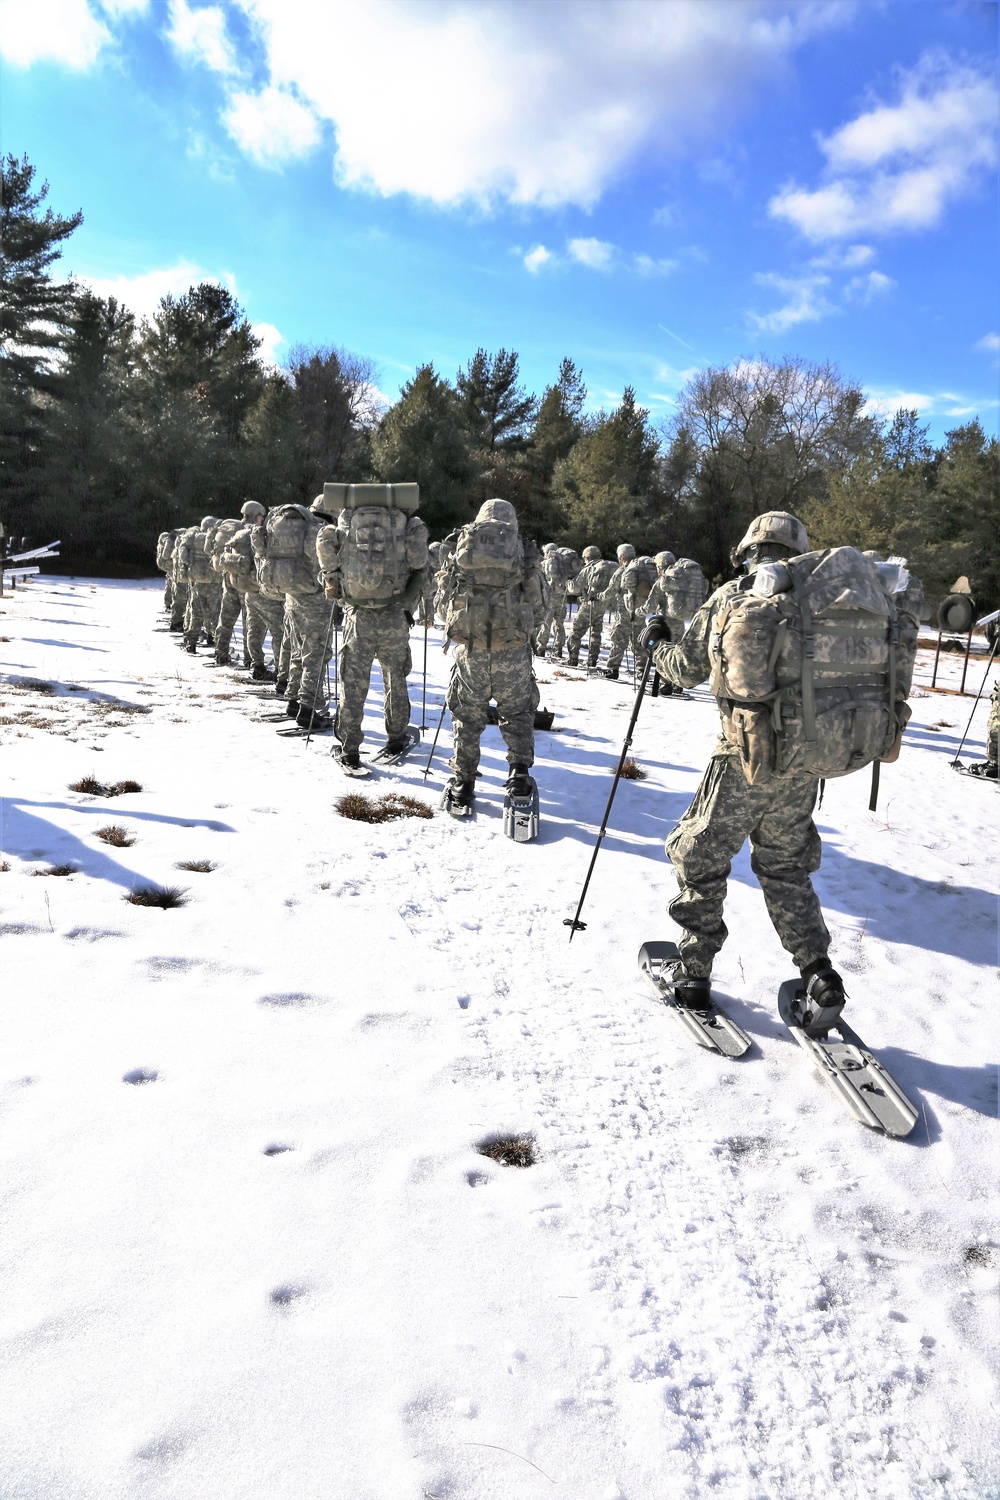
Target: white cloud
(895, 168)
(199, 36)
(141, 293)
(885, 402)
(271, 127)
(270, 338)
(863, 290)
(537, 258)
(118, 8)
(649, 265)
(990, 342)
(50, 31)
(597, 255)
(846, 258)
(807, 301)
(477, 100)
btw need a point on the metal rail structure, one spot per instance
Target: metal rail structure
(11, 571)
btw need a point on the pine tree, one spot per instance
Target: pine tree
(496, 408)
(335, 400)
(424, 438)
(606, 486)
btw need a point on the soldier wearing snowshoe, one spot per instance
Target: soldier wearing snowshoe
(231, 604)
(180, 578)
(285, 548)
(426, 613)
(658, 604)
(164, 552)
(988, 768)
(236, 560)
(622, 620)
(374, 560)
(205, 586)
(588, 586)
(492, 601)
(560, 565)
(811, 664)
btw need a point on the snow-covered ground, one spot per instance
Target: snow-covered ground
(281, 1270)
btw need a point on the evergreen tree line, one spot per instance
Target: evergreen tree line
(113, 429)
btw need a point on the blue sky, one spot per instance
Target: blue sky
(647, 187)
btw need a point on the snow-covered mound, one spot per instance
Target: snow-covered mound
(250, 1247)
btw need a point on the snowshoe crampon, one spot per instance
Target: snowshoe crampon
(851, 1069)
(710, 1028)
(457, 798)
(392, 756)
(520, 810)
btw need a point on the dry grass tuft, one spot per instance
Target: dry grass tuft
(89, 785)
(632, 771)
(198, 866)
(510, 1150)
(4, 866)
(382, 809)
(164, 896)
(121, 787)
(67, 869)
(114, 833)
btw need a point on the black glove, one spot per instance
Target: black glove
(656, 630)
(338, 617)
(408, 618)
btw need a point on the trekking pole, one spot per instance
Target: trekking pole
(573, 923)
(423, 708)
(989, 665)
(435, 739)
(243, 623)
(319, 679)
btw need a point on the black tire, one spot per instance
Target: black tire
(956, 613)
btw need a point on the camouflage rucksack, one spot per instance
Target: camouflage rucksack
(685, 587)
(487, 610)
(200, 558)
(638, 579)
(286, 551)
(237, 559)
(567, 564)
(220, 538)
(164, 549)
(373, 550)
(491, 552)
(810, 665)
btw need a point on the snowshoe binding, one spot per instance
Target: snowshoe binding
(458, 797)
(350, 762)
(393, 751)
(690, 999)
(520, 806)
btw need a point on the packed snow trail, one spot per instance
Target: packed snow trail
(279, 1269)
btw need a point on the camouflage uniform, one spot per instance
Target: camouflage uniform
(204, 586)
(553, 620)
(622, 636)
(657, 604)
(370, 634)
(265, 614)
(776, 816)
(179, 577)
(588, 586)
(504, 674)
(425, 614)
(993, 724)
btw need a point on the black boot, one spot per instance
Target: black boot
(820, 1006)
(519, 780)
(260, 673)
(318, 722)
(611, 672)
(292, 708)
(693, 991)
(280, 686)
(461, 792)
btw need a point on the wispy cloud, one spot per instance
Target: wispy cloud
(885, 400)
(537, 258)
(807, 300)
(200, 36)
(141, 293)
(272, 127)
(990, 343)
(896, 167)
(597, 255)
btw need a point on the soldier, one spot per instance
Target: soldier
(621, 615)
(492, 601)
(426, 614)
(205, 586)
(744, 794)
(988, 768)
(231, 604)
(658, 603)
(286, 561)
(374, 560)
(553, 620)
(588, 586)
(164, 551)
(180, 578)
(243, 594)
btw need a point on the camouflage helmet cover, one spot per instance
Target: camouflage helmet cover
(207, 522)
(497, 510)
(251, 508)
(779, 527)
(550, 547)
(626, 552)
(664, 560)
(591, 554)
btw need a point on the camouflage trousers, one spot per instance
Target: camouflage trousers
(425, 613)
(307, 623)
(622, 638)
(589, 617)
(229, 612)
(264, 615)
(371, 634)
(993, 724)
(168, 595)
(553, 623)
(203, 605)
(785, 850)
(507, 678)
(178, 606)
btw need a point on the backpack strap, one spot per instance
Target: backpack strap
(808, 683)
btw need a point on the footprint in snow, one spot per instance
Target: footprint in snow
(284, 1296)
(276, 1148)
(140, 1075)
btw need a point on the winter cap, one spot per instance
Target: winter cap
(251, 507)
(591, 554)
(664, 560)
(779, 527)
(497, 510)
(626, 552)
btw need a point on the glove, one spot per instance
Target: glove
(656, 630)
(408, 618)
(338, 617)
